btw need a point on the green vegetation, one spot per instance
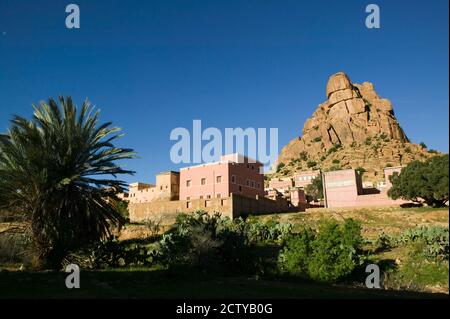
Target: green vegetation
(314, 191)
(334, 149)
(423, 182)
(280, 167)
(49, 172)
(317, 139)
(384, 137)
(423, 145)
(311, 164)
(424, 252)
(336, 161)
(304, 156)
(329, 254)
(368, 141)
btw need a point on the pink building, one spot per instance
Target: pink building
(281, 184)
(303, 179)
(344, 188)
(234, 173)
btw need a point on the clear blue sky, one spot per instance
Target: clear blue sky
(151, 66)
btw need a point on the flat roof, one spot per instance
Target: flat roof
(225, 161)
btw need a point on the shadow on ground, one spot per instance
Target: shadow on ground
(163, 284)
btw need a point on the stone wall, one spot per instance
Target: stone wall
(232, 207)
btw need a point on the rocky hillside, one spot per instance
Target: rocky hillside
(353, 128)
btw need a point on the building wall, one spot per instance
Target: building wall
(191, 178)
(232, 207)
(246, 179)
(344, 189)
(237, 175)
(281, 183)
(140, 212)
(167, 188)
(297, 197)
(303, 179)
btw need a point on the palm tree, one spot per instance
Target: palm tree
(59, 169)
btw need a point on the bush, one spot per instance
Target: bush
(111, 253)
(327, 255)
(336, 161)
(280, 166)
(317, 139)
(210, 243)
(368, 141)
(423, 145)
(303, 156)
(436, 239)
(311, 164)
(334, 148)
(422, 182)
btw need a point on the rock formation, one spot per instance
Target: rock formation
(353, 128)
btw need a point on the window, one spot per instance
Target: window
(253, 167)
(188, 198)
(203, 181)
(160, 188)
(248, 182)
(188, 183)
(248, 166)
(188, 204)
(218, 179)
(253, 184)
(240, 188)
(233, 178)
(258, 185)
(201, 196)
(219, 195)
(208, 196)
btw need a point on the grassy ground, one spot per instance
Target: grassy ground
(405, 269)
(391, 220)
(405, 275)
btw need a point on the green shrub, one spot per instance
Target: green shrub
(280, 166)
(368, 141)
(322, 158)
(334, 148)
(303, 156)
(423, 145)
(327, 255)
(436, 239)
(311, 164)
(336, 161)
(317, 139)
(211, 243)
(111, 253)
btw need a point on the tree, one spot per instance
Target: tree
(59, 169)
(422, 182)
(314, 191)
